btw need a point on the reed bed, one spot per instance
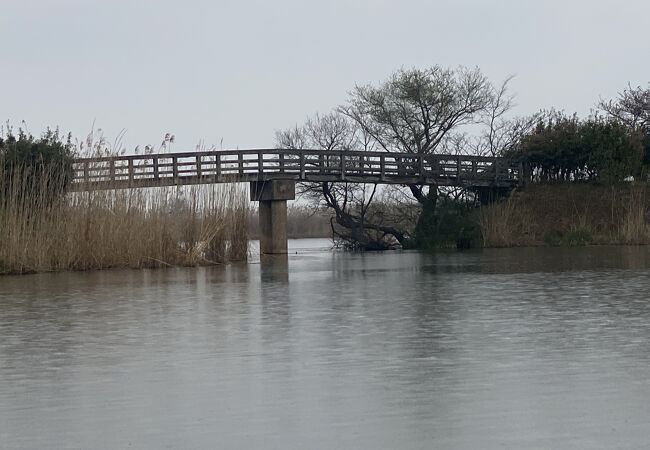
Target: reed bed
(131, 228)
(569, 215)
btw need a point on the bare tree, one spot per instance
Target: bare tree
(418, 111)
(414, 111)
(632, 107)
(357, 222)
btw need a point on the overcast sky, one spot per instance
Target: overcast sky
(239, 70)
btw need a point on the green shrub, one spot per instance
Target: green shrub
(30, 164)
(447, 223)
(563, 148)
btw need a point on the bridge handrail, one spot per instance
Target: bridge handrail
(297, 152)
(156, 169)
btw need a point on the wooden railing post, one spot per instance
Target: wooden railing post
(321, 163)
(422, 177)
(156, 172)
(382, 167)
(131, 175)
(86, 172)
(522, 177)
(496, 170)
(217, 166)
(260, 162)
(240, 163)
(343, 166)
(281, 158)
(302, 165)
(458, 168)
(199, 171)
(111, 171)
(175, 169)
(434, 162)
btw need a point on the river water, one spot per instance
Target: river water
(515, 349)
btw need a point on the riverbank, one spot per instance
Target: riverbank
(212, 224)
(569, 214)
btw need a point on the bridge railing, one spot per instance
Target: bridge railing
(300, 165)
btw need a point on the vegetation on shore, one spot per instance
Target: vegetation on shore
(585, 183)
(568, 214)
(43, 228)
(454, 111)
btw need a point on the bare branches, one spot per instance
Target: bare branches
(414, 111)
(356, 219)
(632, 107)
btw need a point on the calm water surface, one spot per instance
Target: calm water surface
(515, 349)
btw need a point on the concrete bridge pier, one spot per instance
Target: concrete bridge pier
(272, 196)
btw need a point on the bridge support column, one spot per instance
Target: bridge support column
(272, 197)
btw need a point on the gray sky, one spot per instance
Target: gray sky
(239, 70)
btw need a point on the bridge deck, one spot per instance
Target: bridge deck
(174, 169)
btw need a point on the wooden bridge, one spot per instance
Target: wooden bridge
(176, 169)
(274, 172)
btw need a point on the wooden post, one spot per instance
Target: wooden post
(382, 167)
(496, 170)
(199, 173)
(260, 162)
(156, 172)
(240, 162)
(175, 169)
(111, 171)
(281, 158)
(434, 162)
(422, 177)
(458, 168)
(342, 166)
(302, 166)
(86, 174)
(131, 175)
(523, 174)
(217, 165)
(321, 163)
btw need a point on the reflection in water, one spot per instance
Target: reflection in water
(274, 268)
(516, 348)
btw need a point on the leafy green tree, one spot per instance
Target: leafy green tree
(565, 148)
(614, 150)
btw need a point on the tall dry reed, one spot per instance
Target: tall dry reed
(568, 214)
(634, 228)
(136, 228)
